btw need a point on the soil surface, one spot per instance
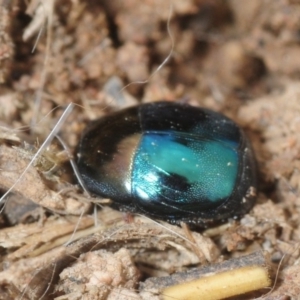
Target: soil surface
(65, 63)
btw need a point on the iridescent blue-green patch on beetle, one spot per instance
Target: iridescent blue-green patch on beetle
(170, 161)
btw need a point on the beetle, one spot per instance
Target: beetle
(170, 161)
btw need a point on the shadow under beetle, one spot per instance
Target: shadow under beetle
(170, 161)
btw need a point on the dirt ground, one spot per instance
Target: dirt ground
(240, 58)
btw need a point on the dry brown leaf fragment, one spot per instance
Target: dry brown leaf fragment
(42, 11)
(26, 238)
(32, 186)
(143, 239)
(8, 135)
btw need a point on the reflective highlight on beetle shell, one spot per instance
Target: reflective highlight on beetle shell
(170, 161)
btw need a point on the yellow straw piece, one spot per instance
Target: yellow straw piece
(221, 285)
